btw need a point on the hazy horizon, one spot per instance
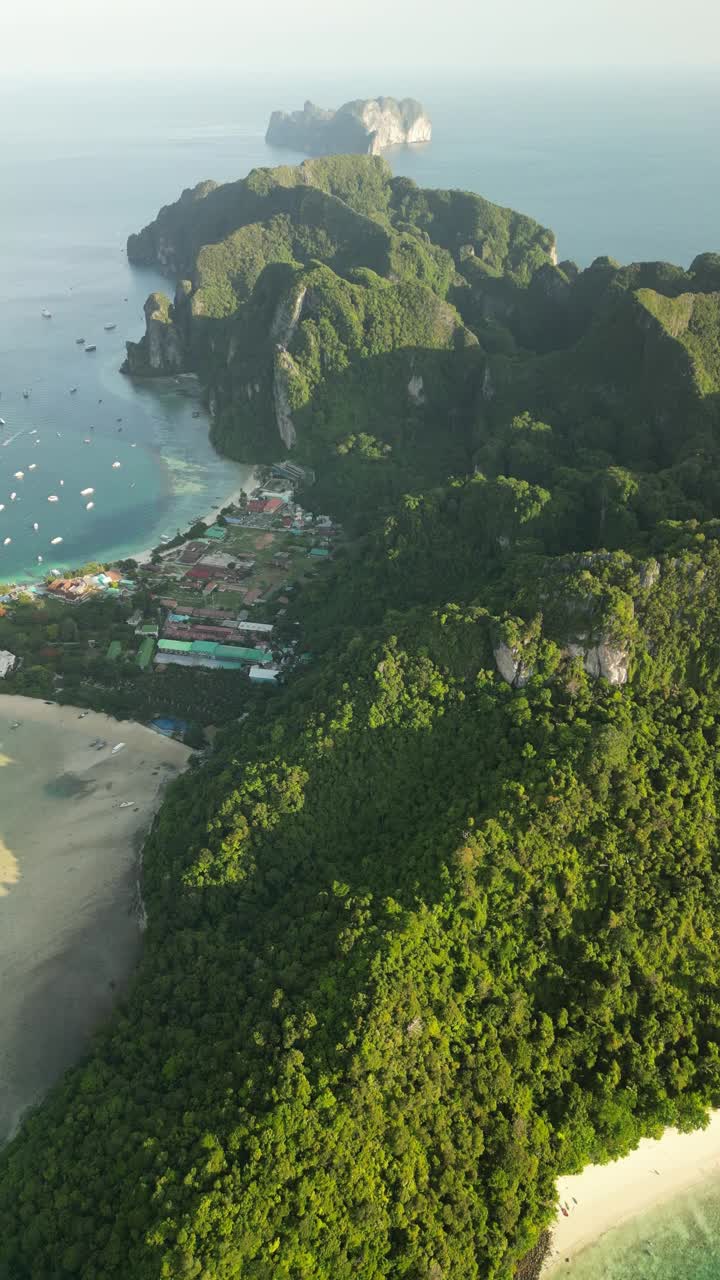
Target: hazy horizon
(43, 37)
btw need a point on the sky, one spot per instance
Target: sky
(99, 36)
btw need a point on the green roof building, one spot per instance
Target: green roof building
(145, 652)
(216, 532)
(175, 646)
(114, 650)
(237, 653)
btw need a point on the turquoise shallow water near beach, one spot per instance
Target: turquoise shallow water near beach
(616, 164)
(680, 1240)
(619, 165)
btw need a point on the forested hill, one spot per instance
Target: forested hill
(437, 922)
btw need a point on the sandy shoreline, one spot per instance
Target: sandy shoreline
(72, 818)
(606, 1196)
(143, 557)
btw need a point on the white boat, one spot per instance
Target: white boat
(87, 440)
(34, 431)
(80, 341)
(116, 465)
(62, 482)
(89, 506)
(118, 747)
(91, 347)
(13, 496)
(39, 559)
(36, 526)
(6, 542)
(53, 498)
(2, 506)
(59, 435)
(47, 315)
(2, 422)
(26, 395)
(85, 493)
(109, 327)
(32, 466)
(54, 541)
(19, 475)
(126, 804)
(73, 390)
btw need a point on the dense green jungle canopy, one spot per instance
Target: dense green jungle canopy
(422, 935)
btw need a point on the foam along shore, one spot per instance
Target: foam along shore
(143, 557)
(72, 819)
(606, 1196)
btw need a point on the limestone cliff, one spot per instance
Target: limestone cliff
(366, 126)
(161, 350)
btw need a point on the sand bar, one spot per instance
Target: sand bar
(611, 1194)
(72, 819)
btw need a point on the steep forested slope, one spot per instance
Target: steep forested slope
(438, 922)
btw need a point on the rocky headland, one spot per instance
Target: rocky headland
(366, 126)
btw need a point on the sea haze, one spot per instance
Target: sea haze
(618, 165)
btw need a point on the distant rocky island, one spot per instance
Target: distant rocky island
(366, 126)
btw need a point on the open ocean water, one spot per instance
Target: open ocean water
(617, 164)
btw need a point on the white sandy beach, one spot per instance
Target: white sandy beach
(70, 929)
(606, 1196)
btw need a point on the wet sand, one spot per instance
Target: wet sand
(70, 928)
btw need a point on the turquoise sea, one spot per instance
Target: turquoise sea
(617, 164)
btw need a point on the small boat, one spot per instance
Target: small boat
(54, 541)
(39, 560)
(133, 446)
(6, 542)
(116, 465)
(53, 497)
(85, 493)
(13, 496)
(73, 390)
(62, 482)
(26, 395)
(196, 414)
(89, 506)
(80, 341)
(32, 466)
(19, 475)
(59, 435)
(2, 506)
(118, 747)
(34, 431)
(2, 422)
(126, 804)
(132, 486)
(91, 347)
(109, 327)
(36, 526)
(47, 315)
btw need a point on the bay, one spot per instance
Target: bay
(617, 163)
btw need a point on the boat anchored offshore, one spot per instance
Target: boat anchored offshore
(54, 541)
(109, 327)
(85, 493)
(47, 315)
(91, 347)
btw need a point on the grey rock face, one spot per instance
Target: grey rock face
(161, 350)
(511, 667)
(365, 126)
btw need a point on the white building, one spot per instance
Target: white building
(7, 663)
(267, 674)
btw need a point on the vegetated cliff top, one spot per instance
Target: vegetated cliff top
(365, 125)
(438, 922)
